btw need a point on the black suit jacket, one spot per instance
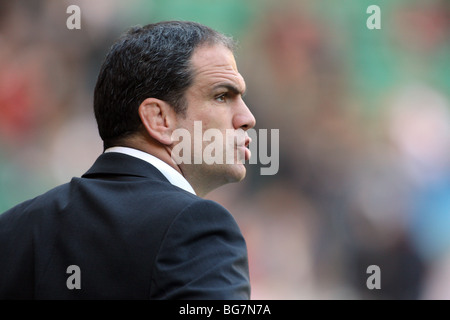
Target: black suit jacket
(131, 232)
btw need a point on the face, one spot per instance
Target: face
(215, 107)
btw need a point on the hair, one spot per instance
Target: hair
(149, 61)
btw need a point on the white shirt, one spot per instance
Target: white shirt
(170, 173)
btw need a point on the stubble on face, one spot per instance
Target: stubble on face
(215, 99)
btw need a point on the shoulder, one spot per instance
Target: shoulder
(204, 212)
(186, 212)
(203, 255)
(25, 208)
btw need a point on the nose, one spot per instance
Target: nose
(243, 118)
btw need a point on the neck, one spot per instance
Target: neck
(202, 183)
(153, 147)
(163, 152)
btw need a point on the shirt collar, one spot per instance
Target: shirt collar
(170, 173)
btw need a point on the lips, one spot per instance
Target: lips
(244, 150)
(248, 153)
(247, 141)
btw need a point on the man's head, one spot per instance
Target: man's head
(163, 77)
(149, 61)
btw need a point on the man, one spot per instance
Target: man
(134, 226)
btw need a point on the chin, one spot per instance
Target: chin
(224, 174)
(237, 173)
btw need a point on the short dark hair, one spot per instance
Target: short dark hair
(149, 61)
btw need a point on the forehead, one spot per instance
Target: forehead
(215, 65)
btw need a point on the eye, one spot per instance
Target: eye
(221, 97)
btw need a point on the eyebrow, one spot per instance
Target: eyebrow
(230, 87)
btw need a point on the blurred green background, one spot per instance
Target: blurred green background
(363, 117)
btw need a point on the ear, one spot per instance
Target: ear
(158, 118)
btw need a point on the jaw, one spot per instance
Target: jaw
(205, 178)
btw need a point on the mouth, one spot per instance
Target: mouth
(245, 152)
(247, 141)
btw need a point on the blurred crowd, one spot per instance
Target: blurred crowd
(363, 116)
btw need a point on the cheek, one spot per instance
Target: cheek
(210, 115)
(211, 120)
